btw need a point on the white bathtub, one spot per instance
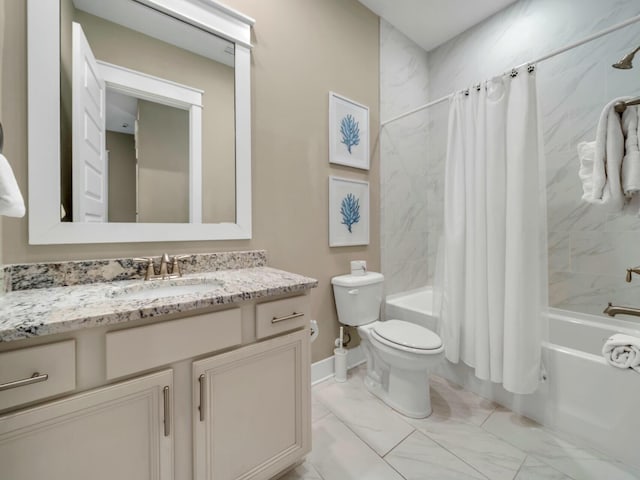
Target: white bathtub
(415, 306)
(582, 395)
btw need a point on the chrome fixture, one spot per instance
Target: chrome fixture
(613, 310)
(35, 378)
(625, 62)
(166, 397)
(201, 380)
(622, 106)
(286, 317)
(169, 267)
(630, 272)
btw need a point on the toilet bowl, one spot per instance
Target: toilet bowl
(399, 354)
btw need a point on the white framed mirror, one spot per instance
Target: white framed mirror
(175, 181)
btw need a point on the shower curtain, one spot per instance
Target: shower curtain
(495, 268)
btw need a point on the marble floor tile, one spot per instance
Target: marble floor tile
(493, 457)
(420, 458)
(338, 454)
(534, 469)
(306, 471)
(452, 401)
(353, 430)
(365, 414)
(318, 410)
(563, 455)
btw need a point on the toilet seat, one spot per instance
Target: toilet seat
(407, 336)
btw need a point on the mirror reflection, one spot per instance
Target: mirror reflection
(147, 160)
(147, 118)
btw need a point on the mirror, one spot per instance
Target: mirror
(153, 124)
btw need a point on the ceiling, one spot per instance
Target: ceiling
(430, 23)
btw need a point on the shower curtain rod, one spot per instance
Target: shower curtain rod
(551, 54)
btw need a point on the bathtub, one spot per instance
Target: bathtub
(581, 395)
(415, 306)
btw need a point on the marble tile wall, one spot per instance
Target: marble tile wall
(404, 166)
(589, 248)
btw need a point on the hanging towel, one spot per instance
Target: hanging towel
(11, 202)
(622, 351)
(631, 160)
(601, 161)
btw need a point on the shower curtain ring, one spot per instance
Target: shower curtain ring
(531, 68)
(514, 73)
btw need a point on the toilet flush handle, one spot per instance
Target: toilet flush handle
(355, 291)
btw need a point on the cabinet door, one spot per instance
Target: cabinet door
(115, 432)
(252, 409)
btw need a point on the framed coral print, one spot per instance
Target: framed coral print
(348, 212)
(348, 132)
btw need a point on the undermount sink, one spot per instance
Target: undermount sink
(150, 289)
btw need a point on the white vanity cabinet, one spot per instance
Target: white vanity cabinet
(115, 432)
(253, 409)
(216, 394)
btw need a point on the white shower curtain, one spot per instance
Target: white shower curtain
(495, 269)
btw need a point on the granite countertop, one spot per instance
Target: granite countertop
(47, 311)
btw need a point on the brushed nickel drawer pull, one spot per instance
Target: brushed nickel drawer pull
(35, 378)
(201, 407)
(167, 411)
(286, 317)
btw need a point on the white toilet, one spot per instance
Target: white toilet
(399, 354)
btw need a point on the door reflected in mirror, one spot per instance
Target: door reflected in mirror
(147, 119)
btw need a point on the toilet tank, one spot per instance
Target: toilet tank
(358, 297)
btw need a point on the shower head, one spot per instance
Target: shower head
(625, 62)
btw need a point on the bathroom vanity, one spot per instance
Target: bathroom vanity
(131, 379)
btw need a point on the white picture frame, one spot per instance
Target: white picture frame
(348, 212)
(348, 132)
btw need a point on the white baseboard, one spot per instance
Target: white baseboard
(323, 369)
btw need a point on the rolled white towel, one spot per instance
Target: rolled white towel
(622, 351)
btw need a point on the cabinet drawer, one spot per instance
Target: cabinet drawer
(280, 316)
(35, 373)
(142, 348)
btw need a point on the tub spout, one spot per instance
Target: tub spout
(613, 310)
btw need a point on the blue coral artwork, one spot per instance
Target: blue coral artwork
(350, 131)
(350, 211)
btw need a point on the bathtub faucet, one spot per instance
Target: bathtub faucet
(631, 271)
(613, 310)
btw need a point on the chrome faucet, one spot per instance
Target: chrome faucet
(164, 260)
(169, 267)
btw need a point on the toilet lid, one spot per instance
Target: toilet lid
(408, 334)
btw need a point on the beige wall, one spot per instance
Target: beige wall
(163, 162)
(122, 177)
(218, 191)
(303, 49)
